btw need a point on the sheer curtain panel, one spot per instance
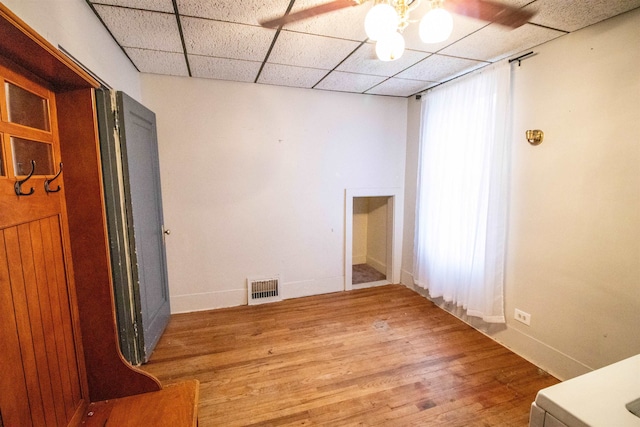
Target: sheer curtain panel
(461, 217)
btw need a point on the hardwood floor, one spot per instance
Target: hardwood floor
(377, 356)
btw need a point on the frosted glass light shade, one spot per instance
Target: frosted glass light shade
(436, 26)
(381, 20)
(390, 48)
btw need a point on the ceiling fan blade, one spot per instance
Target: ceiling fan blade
(308, 13)
(490, 11)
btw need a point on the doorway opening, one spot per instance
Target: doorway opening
(372, 237)
(369, 249)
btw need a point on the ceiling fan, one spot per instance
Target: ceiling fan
(387, 18)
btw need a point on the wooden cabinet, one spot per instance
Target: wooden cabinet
(59, 348)
(41, 366)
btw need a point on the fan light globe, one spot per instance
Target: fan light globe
(390, 48)
(436, 26)
(381, 20)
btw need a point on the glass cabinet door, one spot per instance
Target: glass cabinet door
(25, 150)
(28, 146)
(26, 108)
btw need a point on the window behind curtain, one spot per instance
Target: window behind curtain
(461, 219)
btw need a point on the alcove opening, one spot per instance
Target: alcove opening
(371, 235)
(381, 206)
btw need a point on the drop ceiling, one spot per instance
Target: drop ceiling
(222, 39)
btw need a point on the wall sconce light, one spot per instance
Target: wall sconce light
(535, 137)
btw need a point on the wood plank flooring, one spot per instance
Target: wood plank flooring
(379, 356)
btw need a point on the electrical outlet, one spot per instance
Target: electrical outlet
(523, 317)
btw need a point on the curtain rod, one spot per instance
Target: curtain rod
(521, 57)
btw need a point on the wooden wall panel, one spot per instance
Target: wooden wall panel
(67, 357)
(32, 263)
(39, 288)
(16, 413)
(23, 321)
(57, 321)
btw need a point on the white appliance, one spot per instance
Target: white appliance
(605, 397)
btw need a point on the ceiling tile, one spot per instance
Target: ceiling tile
(158, 62)
(226, 40)
(153, 30)
(307, 50)
(223, 69)
(156, 5)
(364, 61)
(437, 68)
(287, 75)
(244, 12)
(494, 42)
(346, 23)
(349, 82)
(571, 15)
(400, 87)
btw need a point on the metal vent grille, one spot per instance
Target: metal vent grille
(264, 290)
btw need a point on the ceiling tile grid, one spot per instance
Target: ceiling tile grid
(141, 28)
(572, 15)
(242, 12)
(157, 62)
(364, 61)
(400, 87)
(288, 75)
(234, 41)
(154, 5)
(494, 42)
(338, 24)
(208, 67)
(439, 68)
(310, 50)
(223, 39)
(349, 82)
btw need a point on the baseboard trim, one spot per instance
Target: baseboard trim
(380, 267)
(236, 297)
(306, 288)
(208, 301)
(547, 358)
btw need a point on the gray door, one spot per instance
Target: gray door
(134, 215)
(139, 146)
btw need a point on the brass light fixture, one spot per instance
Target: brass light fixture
(386, 20)
(535, 136)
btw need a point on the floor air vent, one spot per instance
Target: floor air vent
(264, 290)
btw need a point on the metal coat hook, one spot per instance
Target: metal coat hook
(49, 181)
(18, 184)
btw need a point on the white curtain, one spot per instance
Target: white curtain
(461, 216)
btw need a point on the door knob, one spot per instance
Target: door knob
(167, 232)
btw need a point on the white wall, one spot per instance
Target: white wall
(254, 180)
(573, 257)
(377, 233)
(73, 25)
(360, 220)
